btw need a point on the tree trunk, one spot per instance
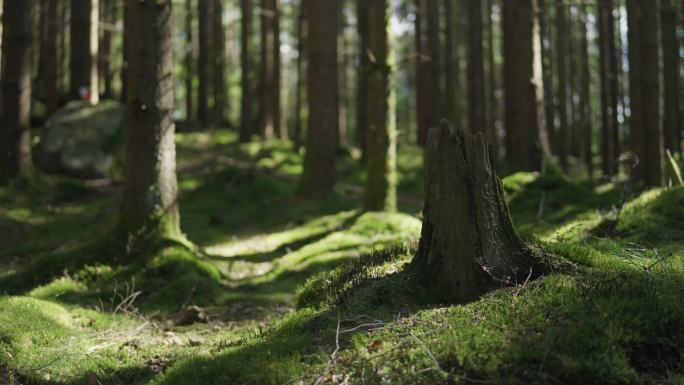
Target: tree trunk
(493, 71)
(527, 144)
(300, 96)
(126, 54)
(189, 62)
(380, 193)
(246, 129)
(51, 60)
(672, 119)
(318, 177)
(105, 54)
(422, 121)
(150, 197)
(219, 62)
(435, 95)
(644, 93)
(15, 129)
(476, 78)
(468, 243)
(609, 84)
(204, 65)
(362, 81)
(561, 60)
(585, 94)
(84, 50)
(547, 71)
(451, 67)
(342, 79)
(269, 120)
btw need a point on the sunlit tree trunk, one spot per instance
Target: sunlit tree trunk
(15, 129)
(150, 199)
(84, 50)
(527, 144)
(380, 193)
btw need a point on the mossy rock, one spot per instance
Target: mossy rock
(83, 141)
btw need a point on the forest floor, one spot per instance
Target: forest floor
(271, 288)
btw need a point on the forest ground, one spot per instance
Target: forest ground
(297, 291)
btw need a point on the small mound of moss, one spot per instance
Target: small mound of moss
(656, 218)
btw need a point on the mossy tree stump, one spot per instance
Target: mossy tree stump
(468, 243)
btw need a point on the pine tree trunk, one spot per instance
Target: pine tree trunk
(246, 129)
(269, 120)
(105, 55)
(476, 78)
(342, 79)
(451, 67)
(671, 61)
(585, 95)
(548, 52)
(435, 95)
(204, 65)
(421, 86)
(492, 77)
(650, 77)
(527, 144)
(609, 84)
(51, 60)
(561, 75)
(219, 62)
(468, 243)
(150, 197)
(300, 96)
(84, 50)
(189, 62)
(362, 81)
(15, 129)
(635, 92)
(126, 53)
(318, 177)
(380, 193)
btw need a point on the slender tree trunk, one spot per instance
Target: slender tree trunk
(673, 118)
(451, 68)
(105, 54)
(548, 71)
(493, 70)
(380, 193)
(51, 60)
(476, 77)
(189, 62)
(343, 89)
(585, 94)
(15, 129)
(126, 54)
(269, 122)
(650, 77)
(422, 72)
(246, 129)
(362, 81)
(435, 95)
(562, 75)
(300, 96)
(527, 144)
(204, 65)
(219, 62)
(318, 177)
(635, 92)
(609, 85)
(84, 50)
(150, 198)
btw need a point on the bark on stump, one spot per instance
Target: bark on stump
(468, 243)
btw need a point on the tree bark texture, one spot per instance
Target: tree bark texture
(84, 50)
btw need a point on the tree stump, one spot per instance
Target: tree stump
(468, 243)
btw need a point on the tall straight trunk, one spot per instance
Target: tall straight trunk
(673, 118)
(435, 94)
(380, 193)
(204, 65)
(422, 72)
(476, 76)
(343, 78)
(150, 199)
(39, 88)
(84, 50)
(246, 129)
(51, 60)
(635, 91)
(189, 62)
(492, 71)
(548, 70)
(219, 62)
(126, 54)
(573, 92)
(585, 94)
(451, 67)
(269, 119)
(562, 74)
(318, 177)
(105, 54)
(300, 96)
(527, 144)
(15, 129)
(650, 77)
(362, 82)
(609, 87)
